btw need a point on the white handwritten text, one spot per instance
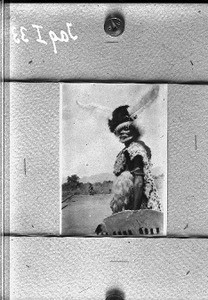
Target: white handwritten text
(22, 35)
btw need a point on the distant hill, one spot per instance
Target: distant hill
(156, 171)
(98, 178)
(99, 184)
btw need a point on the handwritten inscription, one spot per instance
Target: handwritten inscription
(21, 35)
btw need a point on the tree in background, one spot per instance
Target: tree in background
(91, 189)
(74, 186)
(73, 182)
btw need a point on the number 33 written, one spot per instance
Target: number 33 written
(65, 36)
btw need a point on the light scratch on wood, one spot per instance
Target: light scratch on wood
(123, 261)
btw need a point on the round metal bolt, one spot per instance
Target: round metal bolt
(114, 294)
(114, 297)
(114, 25)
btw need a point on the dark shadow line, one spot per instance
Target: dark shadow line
(113, 81)
(108, 236)
(111, 42)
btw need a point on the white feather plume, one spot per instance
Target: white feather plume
(144, 101)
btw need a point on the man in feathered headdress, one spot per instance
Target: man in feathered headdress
(134, 187)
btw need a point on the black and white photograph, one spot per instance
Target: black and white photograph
(113, 152)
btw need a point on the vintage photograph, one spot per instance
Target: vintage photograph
(113, 154)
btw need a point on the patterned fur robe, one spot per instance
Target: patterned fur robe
(123, 185)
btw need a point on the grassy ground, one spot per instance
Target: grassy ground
(82, 213)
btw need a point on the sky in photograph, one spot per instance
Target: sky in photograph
(88, 147)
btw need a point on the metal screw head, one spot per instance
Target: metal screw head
(115, 294)
(114, 25)
(114, 297)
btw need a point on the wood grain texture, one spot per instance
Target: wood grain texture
(80, 268)
(34, 158)
(34, 144)
(187, 162)
(161, 42)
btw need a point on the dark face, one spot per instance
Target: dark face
(125, 134)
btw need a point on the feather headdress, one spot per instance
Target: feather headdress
(126, 112)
